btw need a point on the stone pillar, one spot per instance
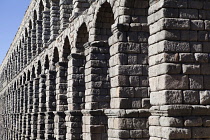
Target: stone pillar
(54, 19)
(128, 73)
(42, 108)
(50, 91)
(29, 108)
(75, 95)
(179, 69)
(97, 86)
(21, 111)
(61, 100)
(46, 27)
(39, 47)
(24, 115)
(65, 12)
(50, 104)
(34, 115)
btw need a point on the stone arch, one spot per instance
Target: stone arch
(21, 80)
(24, 78)
(47, 62)
(102, 26)
(104, 21)
(29, 48)
(39, 68)
(82, 38)
(55, 58)
(66, 49)
(28, 75)
(33, 74)
(40, 10)
(34, 18)
(34, 35)
(15, 85)
(26, 32)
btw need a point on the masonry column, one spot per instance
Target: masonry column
(61, 100)
(34, 115)
(50, 104)
(65, 9)
(97, 91)
(75, 94)
(21, 112)
(42, 108)
(46, 27)
(54, 19)
(24, 116)
(29, 108)
(179, 69)
(18, 112)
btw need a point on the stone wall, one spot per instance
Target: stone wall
(108, 70)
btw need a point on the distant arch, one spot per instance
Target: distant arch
(46, 64)
(66, 49)
(55, 55)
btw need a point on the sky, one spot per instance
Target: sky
(11, 15)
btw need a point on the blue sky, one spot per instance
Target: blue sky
(11, 15)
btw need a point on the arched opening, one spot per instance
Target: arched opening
(77, 88)
(33, 34)
(21, 81)
(46, 64)
(39, 69)
(104, 21)
(24, 78)
(34, 19)
(28, 76)
(39, 27)
(100, 77)
(66, 49)
(29, 48)
(82, 39)
(41, 9)
(55, 56)
(33, 73)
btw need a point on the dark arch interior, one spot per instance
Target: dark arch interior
(82, 38)
(39, 69)
(41, 9)
(46, 65)
(33, 72)
(66, 49)
(105, 18)
(28, 76)
(55, 56)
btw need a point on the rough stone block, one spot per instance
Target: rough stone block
(205, 97)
